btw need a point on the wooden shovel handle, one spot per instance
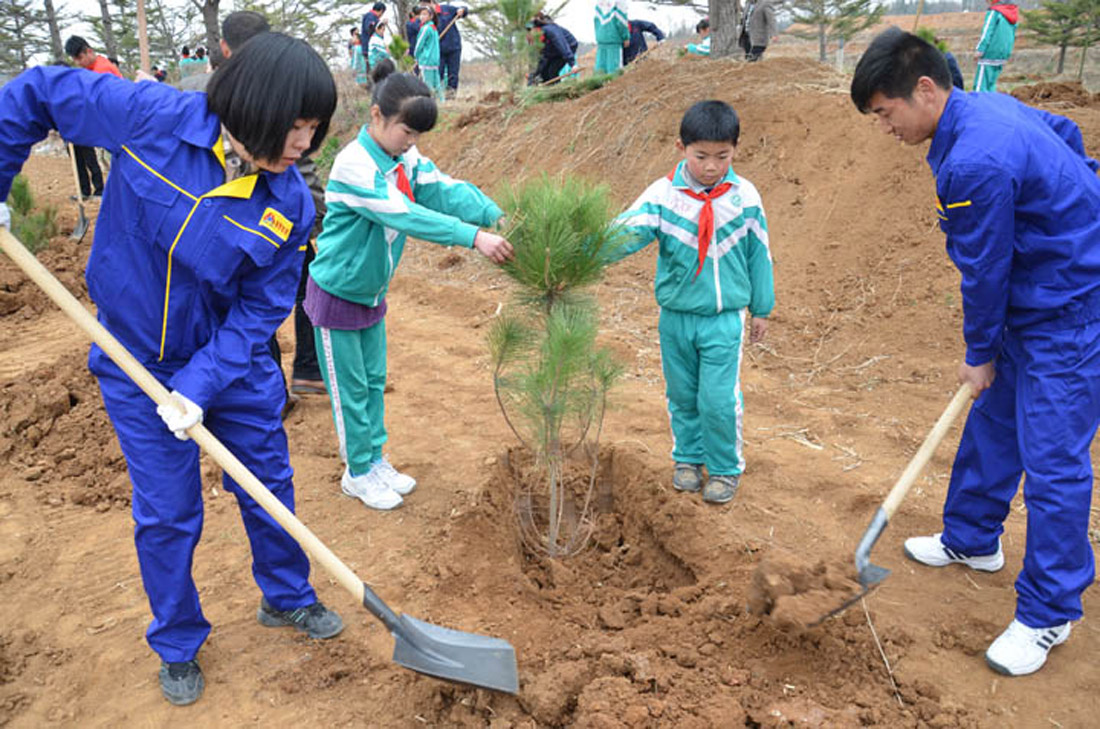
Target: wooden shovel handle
(927, 448)
(76, 176)
(152, 387)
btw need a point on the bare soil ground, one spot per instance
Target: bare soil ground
(647, 628)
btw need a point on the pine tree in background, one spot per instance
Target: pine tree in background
(1061, 24)
(498, 30)
(23, 34)
(834, 19)
(550, 377)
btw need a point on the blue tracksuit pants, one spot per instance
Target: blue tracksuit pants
(450, 61)
(168, 502)
(701, 362)
(1038, 419)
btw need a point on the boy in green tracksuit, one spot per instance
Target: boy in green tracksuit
(380, 190)
(612, 35)
(714, 268)
(427, 52)
(995, 45)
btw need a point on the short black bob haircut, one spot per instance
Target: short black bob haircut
(893, 64)
(75, 45)
(264, 87)
(402, 97)
(710, 121)
(702, 25)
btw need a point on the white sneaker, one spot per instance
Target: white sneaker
(930, 551)
(399, 482)
(1021, 650)
(371, 489)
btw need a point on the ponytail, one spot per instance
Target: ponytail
(403, 97)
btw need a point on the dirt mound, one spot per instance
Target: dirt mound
(1064, 93)
(65, 258)
(57, 438)
(651, 626)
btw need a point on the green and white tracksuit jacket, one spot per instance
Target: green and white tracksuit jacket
(703, 316)
(612, 30)
(367, 221)
(995, 45)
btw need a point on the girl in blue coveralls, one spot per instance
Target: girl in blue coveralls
(381, 190)
(193, 268)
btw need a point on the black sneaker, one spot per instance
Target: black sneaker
(181, 683)
(315, 620)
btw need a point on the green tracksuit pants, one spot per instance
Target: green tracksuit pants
(701, 361)
(985, 77)
(353, 365)
(609, 57)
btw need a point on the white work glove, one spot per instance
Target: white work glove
(179, 415)
(5, 216)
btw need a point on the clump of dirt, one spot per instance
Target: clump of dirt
(64, 258)
(56, 436)
(797, 596)
(1068, 93)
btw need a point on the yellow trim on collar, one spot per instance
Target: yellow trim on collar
(241, 187)
(219, 151)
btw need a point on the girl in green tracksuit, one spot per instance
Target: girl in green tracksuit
(714, 270)
(427, 52)
(995, 44)
(612, 35)
(380, 190)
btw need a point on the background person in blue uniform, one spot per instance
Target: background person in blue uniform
(637, 46)
(559, 50)
(450, 44)
(1019, 202)
(193, 270)
(371, 18)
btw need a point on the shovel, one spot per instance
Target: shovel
(448, 654)
(82, 224)
(870, 575)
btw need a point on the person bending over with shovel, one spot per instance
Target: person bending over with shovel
(193, 269)
(1019, 201)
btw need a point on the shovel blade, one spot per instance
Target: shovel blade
(81, 228)
(452, 655)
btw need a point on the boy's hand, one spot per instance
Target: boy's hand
(757, 330)
(493, 246)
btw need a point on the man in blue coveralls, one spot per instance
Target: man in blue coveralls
(1019, 201)
(450, 44)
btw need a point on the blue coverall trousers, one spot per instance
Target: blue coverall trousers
(168, 505)
(1038, 419)
(450, 62)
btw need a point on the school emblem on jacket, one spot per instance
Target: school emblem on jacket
(274, 221)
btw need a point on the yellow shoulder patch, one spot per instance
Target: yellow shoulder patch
(277, 223)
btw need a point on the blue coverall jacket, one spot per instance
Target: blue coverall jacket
(1019, 201)
(638, 29)
(193, 275)
(452, 41)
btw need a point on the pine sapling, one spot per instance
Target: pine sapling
(550, 377)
